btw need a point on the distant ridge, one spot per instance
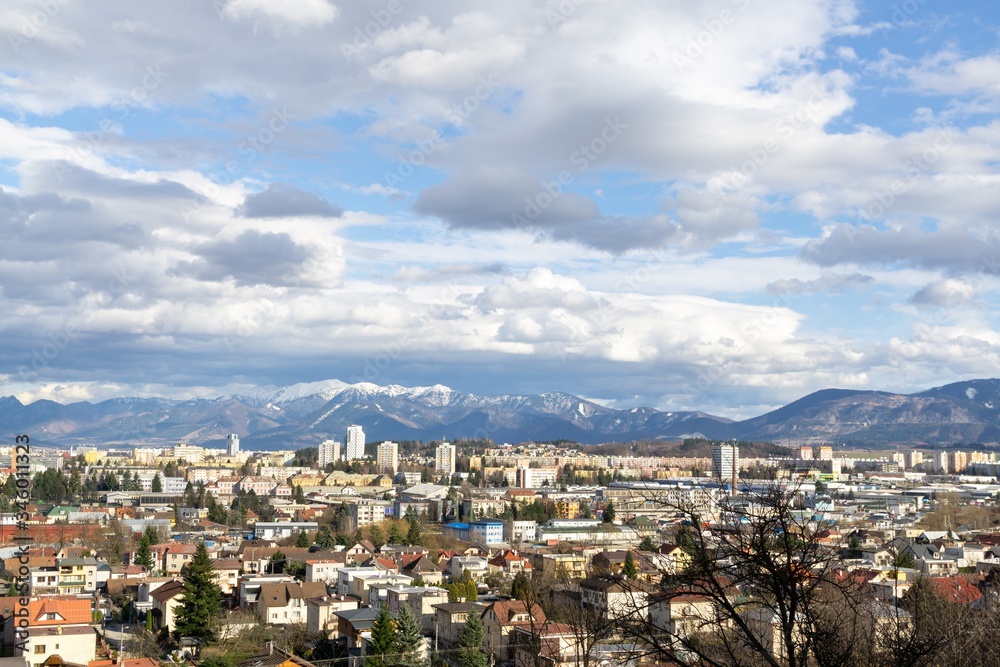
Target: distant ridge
(306, 413)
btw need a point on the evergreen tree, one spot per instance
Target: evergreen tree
(302, 541)
(300, 496)
(470, 643)
(143, 556)
(157, 485)
(376, 536)
(382, 644)
(395, 535)
(629, 569)
(413, 537)
(520, 589)
(201, 604)
(325, 539)
(608, 516)
(647, 544)
(409, 638)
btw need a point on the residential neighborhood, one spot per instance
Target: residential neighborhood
(630, 559)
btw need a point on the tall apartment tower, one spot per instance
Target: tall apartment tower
(444, 459)
(329, 452)
(354, 443)
(232, 444)
(388, 456)
(726, 463)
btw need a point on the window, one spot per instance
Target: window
(39, 649)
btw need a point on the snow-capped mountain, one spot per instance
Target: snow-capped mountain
(306, 413)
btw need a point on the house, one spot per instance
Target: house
(617, 598)
(765, 625)
(564, 566)
(507, 561)
(477, 567)
(420, 600)
(285, 602)
(555, 643)
(166, 599)
(613, 562)
(59, 632)
(682, 614)
(69, 576)
(270, 530)
(227, 574)
(450, 618)
(321, 611)
(176, 556)
(423, 569)
(675, 557)
(500, 618)
(353, 624)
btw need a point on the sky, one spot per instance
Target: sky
(716, 205)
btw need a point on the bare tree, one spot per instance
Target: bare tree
(756, 591)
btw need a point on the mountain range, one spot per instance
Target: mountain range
(305, 414)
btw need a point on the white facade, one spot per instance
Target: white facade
(232, 444)
(444, 459)
(388, 456)
(725, 461)
(329, 452)
(354, 443)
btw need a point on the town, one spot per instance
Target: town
(473, 554)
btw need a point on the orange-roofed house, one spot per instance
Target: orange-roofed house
(60, 632)
(501, 618)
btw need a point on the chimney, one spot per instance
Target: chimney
(270, 648)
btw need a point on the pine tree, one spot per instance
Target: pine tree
(302, 541)
(325, 539)
(395, 535)
(629, 569)
(143, 556)
(413, 537)
(376, 536)
(409, 638)
(647, 544)
(520, 589)
(300, 496)
(157, 485)
(470, 643)
(382, 644)
(609, 512)
(201, 604)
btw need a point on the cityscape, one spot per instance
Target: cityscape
(470, 552)
(541, 333)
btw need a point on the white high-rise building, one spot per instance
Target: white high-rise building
(354, 443)
(328, 452)
(388, 457)
(232, 444)
(725, 461)
(444, 459)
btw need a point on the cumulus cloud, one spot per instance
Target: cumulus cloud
(252, 258)
(281, 200)
(953, 248)
(944, 294)
(495, 199)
